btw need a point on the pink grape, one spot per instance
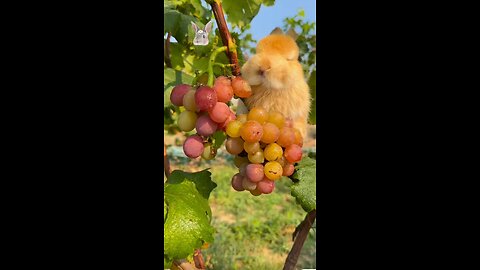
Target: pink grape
(255, 172)
(223, 88)
(205, 98)
(193, 146)
(176, 97)
(220, 112)
(230, 118)
(237, 182)
(293, 153)
(205, 126)
(266, 186)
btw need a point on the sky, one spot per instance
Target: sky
(270, 17)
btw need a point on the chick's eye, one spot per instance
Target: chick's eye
(204, 36)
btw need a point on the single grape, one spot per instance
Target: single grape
(266, 186)
(241, 88)
(293, 153)
(276, 118)
(298, 137)
(187, 121)
(189, 101)
(237, 180)
(256, 192)
(205, 98)
(230, 118)
(286, 137)
(193, 146)
(258, 114)
(273, 170)
(255, 172)
(248, 185)
(288, 169)
(209, 152)
(223, 88)
(234, 146)
(251, 131)
(273, 152)
(242, 170)
(205, 125)
(178, 92)
(239, 161)
(220, 112)
(233, 129)
(270, 133)
(257, 157)
(251, 148)
(242, 118)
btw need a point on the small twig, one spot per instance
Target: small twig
(225, 35)
(300, 238)
(198, 258)
(166, 163)
(168, 61)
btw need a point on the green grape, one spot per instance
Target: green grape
(209, 152)
(189, 101)
(251, 148)
(257, 158)
(187, 121)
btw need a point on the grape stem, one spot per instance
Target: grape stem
(300, 238)
(211, 62)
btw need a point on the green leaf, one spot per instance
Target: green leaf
(312, 83)
(171, 78)
(218, 139)
(304, 188)
(241, 12)
(202, 180)
(177, 23)
(187, 226)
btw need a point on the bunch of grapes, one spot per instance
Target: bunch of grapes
(265, 146)
(206, 111)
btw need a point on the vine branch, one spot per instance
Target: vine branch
(300, 238)
(225, 35)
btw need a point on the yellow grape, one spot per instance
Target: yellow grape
(258, 114)
(273, 152)
(273, 170)
(251, 148)
(257, 157)
(233, 128)
(276, 118)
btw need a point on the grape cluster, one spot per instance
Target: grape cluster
(265, 145)
(206, 110)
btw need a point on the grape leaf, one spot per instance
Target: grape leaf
(241, 12)
(171, 78)
(304, 187)
(202, 180)
(187, 225)
(177, 24)
(218, 139)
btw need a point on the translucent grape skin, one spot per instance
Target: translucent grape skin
(237, 180)
(255, 172)
(293, 153)
(266, 186)
(273, 152)
(273, 170)
(187, 121)
(248, 185)
(205, 125)
(233, 129)
(208, 151)
(270, 133)
(257, 157)
(193, 146)
(223, 88)
(251, 148)
(234, 146)
(251, 131)
(178, 92)
(258, 114)
(286, 137)
(189, 101)
(288, 169)
(220, 112)
(241, 88)
(205, 98)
